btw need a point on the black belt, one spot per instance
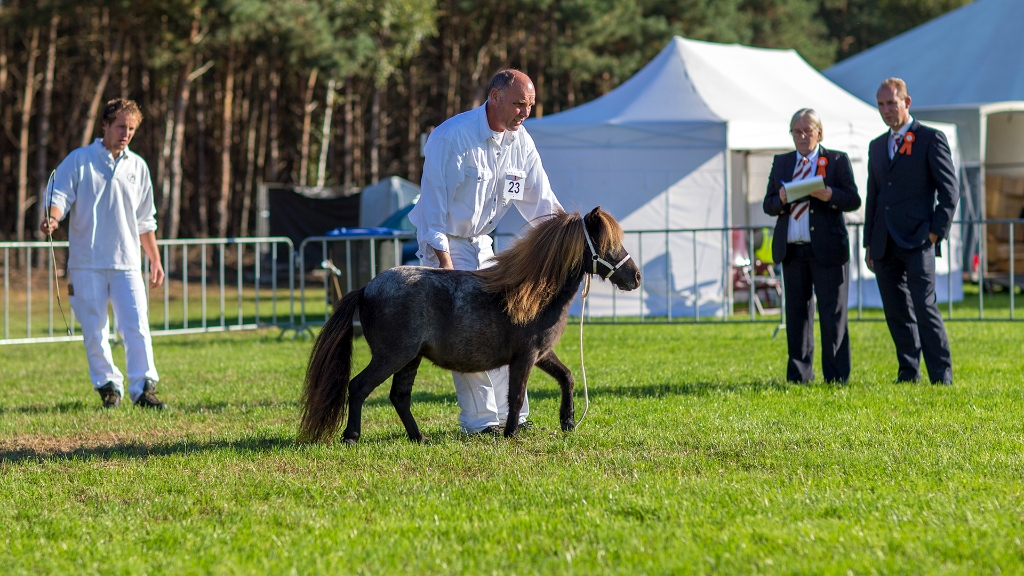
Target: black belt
(799, 243)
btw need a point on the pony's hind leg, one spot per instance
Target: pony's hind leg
(365, 382)
(552, 365)
(401, 398)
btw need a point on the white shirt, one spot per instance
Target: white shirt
(800, 229)
(903, 134)
(108, 203)
(466, 169)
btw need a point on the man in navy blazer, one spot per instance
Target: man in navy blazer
(912, 195)
(813, 246)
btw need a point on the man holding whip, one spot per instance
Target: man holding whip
(106, 193)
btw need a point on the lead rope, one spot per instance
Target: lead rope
(583, 368)
(53, 258)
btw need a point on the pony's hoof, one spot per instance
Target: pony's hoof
(568, 425)
(421, 439)
(351, 441)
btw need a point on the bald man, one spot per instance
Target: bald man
(477, 165)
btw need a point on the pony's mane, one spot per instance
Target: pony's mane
(532, 271)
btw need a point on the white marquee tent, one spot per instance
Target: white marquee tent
(687, 143)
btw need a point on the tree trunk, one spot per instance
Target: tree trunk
(225, 146)
(375, 135)
(126, 59)
(275, 131)
(201, 199)
(359, 141)
(250, 166)
(26, 116)
(97, 95)
(412, 165)
(347, 140)
(325, 139)
(44, 123)
(307, 120)
(177, 141)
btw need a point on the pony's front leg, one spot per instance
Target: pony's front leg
(518, 374)
(550, 364)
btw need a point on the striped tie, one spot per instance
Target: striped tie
(803, 170)
(897, 141)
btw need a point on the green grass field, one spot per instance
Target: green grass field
(696, 457)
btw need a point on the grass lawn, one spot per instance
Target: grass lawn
(696, 457)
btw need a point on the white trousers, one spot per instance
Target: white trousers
(126, 290)
(483, 396)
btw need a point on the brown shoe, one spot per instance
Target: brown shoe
(110, 396)
(148, 399)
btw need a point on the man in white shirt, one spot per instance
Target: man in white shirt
(106, 193)
(477, 165)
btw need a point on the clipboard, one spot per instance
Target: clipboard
(800, 189)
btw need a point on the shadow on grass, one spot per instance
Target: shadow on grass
(137, 450)
(58, 408)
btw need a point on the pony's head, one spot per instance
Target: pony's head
(532, 271)
(605, 254)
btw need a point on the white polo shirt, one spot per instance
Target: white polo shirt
(107, 203)
(465, 175)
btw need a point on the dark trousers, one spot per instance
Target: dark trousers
(804, 277)
(906, 282)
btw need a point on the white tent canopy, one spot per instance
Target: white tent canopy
(676, 146)
(970, 55)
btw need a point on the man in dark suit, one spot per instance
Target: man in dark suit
(813, 246)
(912, 194)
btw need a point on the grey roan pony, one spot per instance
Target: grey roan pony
(511, 313)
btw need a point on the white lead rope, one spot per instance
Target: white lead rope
(583, 368)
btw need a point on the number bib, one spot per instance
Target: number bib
(514, 184)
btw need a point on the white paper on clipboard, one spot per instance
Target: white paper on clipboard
(803, 188)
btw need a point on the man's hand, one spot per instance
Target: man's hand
(444, 260)
(824, 194)
(782, 195)
(156, 275)
(868, 260)
(50, 225)
(933, 237)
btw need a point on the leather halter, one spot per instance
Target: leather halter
(599, 260)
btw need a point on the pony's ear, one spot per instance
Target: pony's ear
(595, 212)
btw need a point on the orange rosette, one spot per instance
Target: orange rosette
(822, 163)
(908, 144)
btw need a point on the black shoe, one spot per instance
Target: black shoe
(526, 425)
(488, 431)
(148, 398)
(110, 396)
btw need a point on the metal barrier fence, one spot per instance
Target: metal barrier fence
(240, 275)
(381, 251)
(237, 268)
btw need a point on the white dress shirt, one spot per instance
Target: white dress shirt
(800, 228)
(466, 171)
(903, 134)
(108, 203)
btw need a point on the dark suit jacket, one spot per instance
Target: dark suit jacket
(902, 192)
(829, 239)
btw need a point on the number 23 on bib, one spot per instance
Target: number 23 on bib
(514, 182)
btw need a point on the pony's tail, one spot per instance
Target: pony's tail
(328, 373)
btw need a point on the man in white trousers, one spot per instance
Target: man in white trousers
(477, 165)
(105, 191)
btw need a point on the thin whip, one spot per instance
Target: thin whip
(583, 368)
(53, 258)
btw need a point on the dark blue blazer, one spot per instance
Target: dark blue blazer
(830, 241)
(910, 195)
